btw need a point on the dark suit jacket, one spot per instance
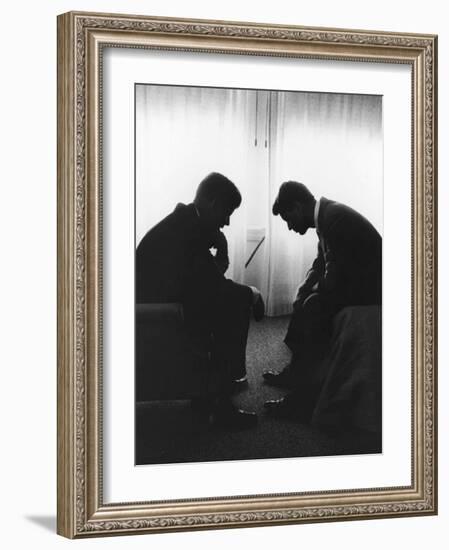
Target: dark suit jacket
(348, 267)
(173, 260)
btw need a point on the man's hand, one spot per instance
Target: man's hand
(220, 244)
(301, 296)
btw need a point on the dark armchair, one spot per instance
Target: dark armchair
(167, 364)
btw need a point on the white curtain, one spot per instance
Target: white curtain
(333, 144)
(182, 134)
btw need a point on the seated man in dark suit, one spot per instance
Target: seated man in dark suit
(174, 263)
(346, 272)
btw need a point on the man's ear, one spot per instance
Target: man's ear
(214, 204)
(207, 204)
(294, 208)
(299, 208)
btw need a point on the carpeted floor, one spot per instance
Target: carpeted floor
(169, 432)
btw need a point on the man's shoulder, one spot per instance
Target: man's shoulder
(172, 231)
(176, 223)
(331, 211)
(182, 214)
(336, 216)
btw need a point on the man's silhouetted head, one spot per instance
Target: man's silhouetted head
(216, 199)
(295, 204)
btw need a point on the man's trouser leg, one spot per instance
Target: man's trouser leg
(230, 330)
(308, 338)
(224, 323)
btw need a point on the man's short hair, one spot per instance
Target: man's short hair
(289, 193)
(215, 186)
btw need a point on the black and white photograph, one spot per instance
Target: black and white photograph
(258, 273)
(247, 279)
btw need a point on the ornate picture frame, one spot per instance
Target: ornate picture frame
(82, 510)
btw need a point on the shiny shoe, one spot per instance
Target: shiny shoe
(288, 408)
(278, 379)
(239, 386)
(230, 417)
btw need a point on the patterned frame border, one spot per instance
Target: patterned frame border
(81, 37)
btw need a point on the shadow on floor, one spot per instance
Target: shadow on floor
(46, 522)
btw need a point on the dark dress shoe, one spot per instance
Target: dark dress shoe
(230, 417)
(259, 309)
(289, 407)
(279, 379)
(238, 386)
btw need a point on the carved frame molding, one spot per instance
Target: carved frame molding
(81, 37)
